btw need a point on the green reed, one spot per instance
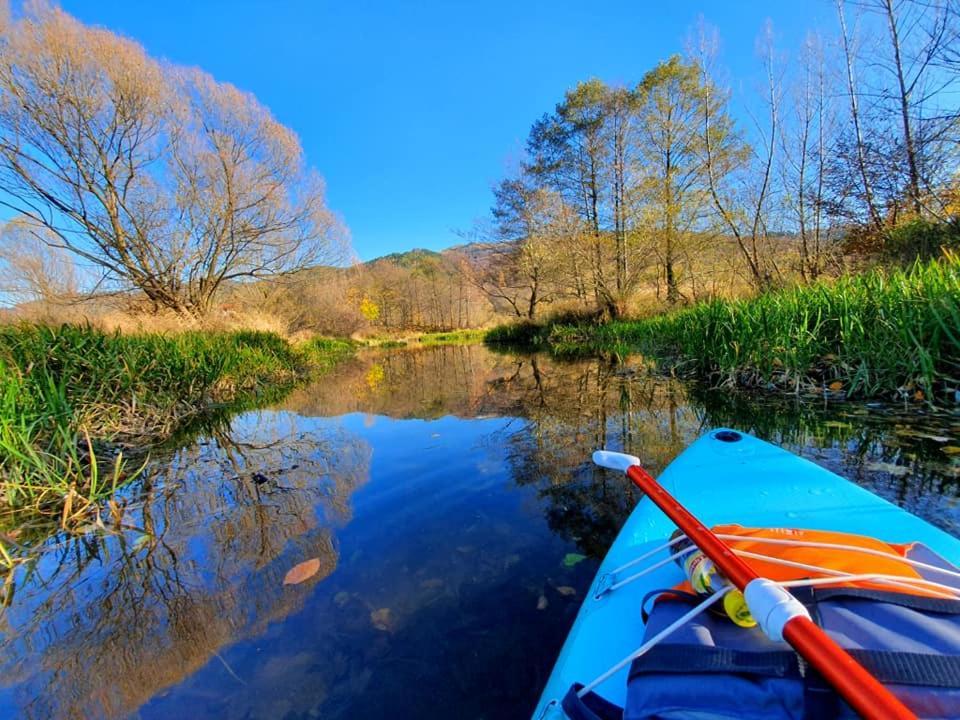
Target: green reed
(882, 333)
(72, 397)
(453, 337)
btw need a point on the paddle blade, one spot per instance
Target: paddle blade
(614, 460)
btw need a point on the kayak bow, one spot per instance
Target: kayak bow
(777, 612)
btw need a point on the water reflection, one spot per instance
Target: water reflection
(448, 495)
(100, 624)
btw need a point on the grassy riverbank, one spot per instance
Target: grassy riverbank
(71, 398)
(452, 337)
(885, 333)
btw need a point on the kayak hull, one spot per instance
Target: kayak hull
(725, 477)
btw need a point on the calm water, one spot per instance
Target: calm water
(447, 495)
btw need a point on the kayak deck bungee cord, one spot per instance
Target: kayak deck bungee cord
(749, 582)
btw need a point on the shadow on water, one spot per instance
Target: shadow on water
(448, 497)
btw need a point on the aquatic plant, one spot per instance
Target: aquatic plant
(454, 337)
(73, 399)
(881, 333)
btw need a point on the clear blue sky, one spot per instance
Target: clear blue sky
(412, 111)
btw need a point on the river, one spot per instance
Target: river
(447, 495)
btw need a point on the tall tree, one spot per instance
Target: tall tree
(168, 181)
(806, 156)
(738, 175)
(523, 268)
(670, 101)
(859, 142)
(568, 153)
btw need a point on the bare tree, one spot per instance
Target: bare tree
(82, 129)
(247, 206)
(806, 149)
(172, 183)
(32, 270)
(920, 92)
(853, 93)
(738, 175)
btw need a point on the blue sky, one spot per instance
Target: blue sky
(412, 111)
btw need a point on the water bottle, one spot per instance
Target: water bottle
(706, 580)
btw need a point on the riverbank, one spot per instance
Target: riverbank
(430, 339)
(884, 333)
(75, 400)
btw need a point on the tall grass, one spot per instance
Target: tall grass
(72, 397)
(884, 332)
(454, 337)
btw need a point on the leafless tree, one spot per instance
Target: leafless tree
(33, 271)
(853, 94)
(738, 174)
(806, 154)
(172, 183)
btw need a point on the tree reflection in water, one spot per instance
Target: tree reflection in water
(103, 623)
(447, 600)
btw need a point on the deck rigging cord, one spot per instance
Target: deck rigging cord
(779, 614)
(836, 576)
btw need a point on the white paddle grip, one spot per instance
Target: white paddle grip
(614, 460)
(772, 606)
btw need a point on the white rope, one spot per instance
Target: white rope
(650, 553)
(676, 624)
(895, 580)
(836, 576)
(838, 546)
(649, 569)
(866, 577)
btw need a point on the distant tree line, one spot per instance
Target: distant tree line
(173, 192)
(852, 145)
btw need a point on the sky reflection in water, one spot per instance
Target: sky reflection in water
(447, 495)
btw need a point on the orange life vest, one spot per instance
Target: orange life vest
(844, 559)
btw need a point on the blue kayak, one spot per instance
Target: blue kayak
(725, 477)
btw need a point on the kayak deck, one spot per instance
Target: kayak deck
(724, 477)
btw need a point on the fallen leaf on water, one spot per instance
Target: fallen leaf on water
(950, 449)
(566, 590)
(836, 385)
(542, 603)
(382, 619)
(571, 559)
(918, 395)
(302, 571)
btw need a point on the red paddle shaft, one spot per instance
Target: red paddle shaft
(859, 688)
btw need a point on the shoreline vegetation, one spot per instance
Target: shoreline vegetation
(80, 408)
(176, 209)
(886, 333)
